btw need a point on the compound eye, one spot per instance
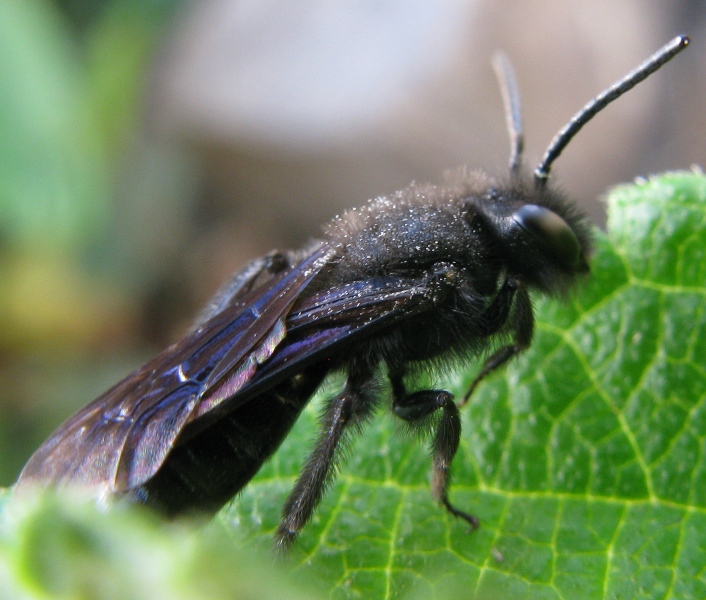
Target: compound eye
(551, 233)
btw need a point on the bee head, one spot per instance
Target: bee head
(539, 236)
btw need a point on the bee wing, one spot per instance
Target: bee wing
(122, 438)
(317, 327)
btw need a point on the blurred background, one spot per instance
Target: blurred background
(148, 148)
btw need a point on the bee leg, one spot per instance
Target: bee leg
(416, 408)
(512, 302)
(352, 407)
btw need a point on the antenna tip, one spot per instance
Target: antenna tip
(675, 46)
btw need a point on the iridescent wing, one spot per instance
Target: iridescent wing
(120, 439)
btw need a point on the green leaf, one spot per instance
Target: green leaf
(585, 459)
(52, 170)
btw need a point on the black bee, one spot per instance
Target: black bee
(416, 280)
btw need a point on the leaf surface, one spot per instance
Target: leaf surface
(584, 459)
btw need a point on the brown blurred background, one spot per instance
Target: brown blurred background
(148, 148)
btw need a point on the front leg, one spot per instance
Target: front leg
(415, 408)
(513, 302)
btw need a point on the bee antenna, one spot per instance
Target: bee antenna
(561, 139)
(513, 111)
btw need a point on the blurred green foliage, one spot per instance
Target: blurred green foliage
(58, 547)
(70, 105)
